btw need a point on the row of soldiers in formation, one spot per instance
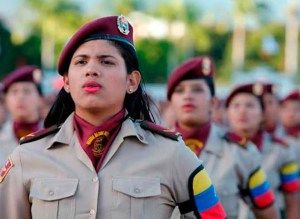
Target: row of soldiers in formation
(252, 159)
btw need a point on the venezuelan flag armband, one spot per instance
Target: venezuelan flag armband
(203, 197)
(290, 179)
(259, 190)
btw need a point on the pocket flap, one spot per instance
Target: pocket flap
(53, 189)
(137, 187)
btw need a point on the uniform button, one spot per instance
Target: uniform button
(92, 212)
(137, 190)
(51, 193)
(95, 179)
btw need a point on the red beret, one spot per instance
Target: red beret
(197, 67)
(257, 89)
(115, 28)
(25, 73)
(294, 95)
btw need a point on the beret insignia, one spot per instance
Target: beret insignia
(206, 66)
(37, 75)
(123, 25)
(258, 89)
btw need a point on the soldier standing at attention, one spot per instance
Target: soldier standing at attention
(22, 92)
(246, 109)
(101, 155)
(234, 168)
(290, 118)
(271, 120)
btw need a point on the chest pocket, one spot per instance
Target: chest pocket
(53, 198)
(134, 195)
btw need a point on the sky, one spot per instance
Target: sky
(13, 15)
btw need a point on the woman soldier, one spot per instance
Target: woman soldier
(290, 118)
(234, 169)
(245, 115)
(101, 156)
(271, 101)
(22, 92)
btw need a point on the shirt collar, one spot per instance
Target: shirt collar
(129, 128)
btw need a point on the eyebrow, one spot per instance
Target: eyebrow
(98, 56)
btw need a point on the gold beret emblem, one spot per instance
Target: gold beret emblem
(37, 75)
(206, 66)
(257, 89)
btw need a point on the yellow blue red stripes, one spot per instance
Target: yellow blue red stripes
(259, 188)
(203, 193)
(289, 175)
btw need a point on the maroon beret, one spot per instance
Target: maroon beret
(294, 95)
(197, 67)
(25, 73)
(257, 89)
(115, 28)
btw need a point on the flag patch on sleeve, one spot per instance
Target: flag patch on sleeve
(260, 191)
(204, 196)
(289, 175)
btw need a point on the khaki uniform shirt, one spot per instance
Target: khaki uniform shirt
(8, 141)
(228, 165)
(274, 156)
(294, 142)
(143, 175)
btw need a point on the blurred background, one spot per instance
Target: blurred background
(248, 39)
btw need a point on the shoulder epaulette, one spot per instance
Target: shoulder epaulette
(159, 130)
(230, 137)
(39, 134)
(279, 141)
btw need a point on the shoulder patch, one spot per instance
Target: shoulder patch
(159, 130)
(231, 137)
(203, 195)
(289, 176)
(280, 141)
(5, 170)
(39, 134)
(260, 192)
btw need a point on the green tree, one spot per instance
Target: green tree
(7, 51)
(56, 21)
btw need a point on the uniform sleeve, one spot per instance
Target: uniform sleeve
(14, 202)
(288, 170)
(289, 176)
(195, 195)
(254, 186)
(259, 190)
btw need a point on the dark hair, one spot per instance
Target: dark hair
(261, 102)
(137, 103)
(211, 85)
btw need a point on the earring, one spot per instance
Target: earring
(129, 91)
